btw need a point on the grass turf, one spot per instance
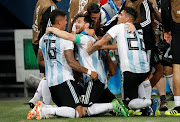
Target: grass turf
(15, 110)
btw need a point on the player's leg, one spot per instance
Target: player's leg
(131, 83)
(157, 75)
(46, 94)
(168, 75)
(66, 94)
(44, 112)
(161, 87)
(37, 95)
(175, 43)
(94, 103)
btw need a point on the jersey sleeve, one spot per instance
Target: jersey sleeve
(68, 45)
(146, 16)
(114, 31)
(81, 39)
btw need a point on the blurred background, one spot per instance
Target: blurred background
(17, 15)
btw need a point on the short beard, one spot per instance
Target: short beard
(133, 0)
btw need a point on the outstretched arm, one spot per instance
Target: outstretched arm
(61, 33)
(109, 47)
(98, 45)
(76, 66)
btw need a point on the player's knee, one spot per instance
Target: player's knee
(139, 103)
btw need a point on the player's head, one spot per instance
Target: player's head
(58, 19)
(82, 22)
(128, 14)
(93, 10)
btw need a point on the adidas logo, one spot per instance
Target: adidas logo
(173, 112)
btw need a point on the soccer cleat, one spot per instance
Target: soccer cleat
(32, 102)
(40, 115)
(122, 104)
(119, 109)
(131, 112)
(154, 106)
(172, 112)
(32, 113)
(144, 112)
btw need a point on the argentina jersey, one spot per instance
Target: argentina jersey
(92, 62)
(131, 49)
(57, 69)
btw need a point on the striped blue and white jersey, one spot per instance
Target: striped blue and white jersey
(57, 69)
(92, 62)
(131, 49)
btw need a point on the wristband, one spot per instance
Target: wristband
(89, 72)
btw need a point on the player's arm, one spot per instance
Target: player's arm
(106, 38)
(61, 33)
(111, 65)
(91, 32)
(109, 47)
(40, 58)
(76, 66)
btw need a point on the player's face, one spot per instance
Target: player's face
(79, 24)
(58, 0)
(122, 17)
(63, 23)
(95, 17)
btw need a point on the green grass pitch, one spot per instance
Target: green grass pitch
(14, 110)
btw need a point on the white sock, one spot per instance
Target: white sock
(141, 91)
(139, 103)
(99, 108)
(38, 93)
(176, 101)
(61, 111)
(169, 79)
(148, 88)
(46, 94)
(50, 106)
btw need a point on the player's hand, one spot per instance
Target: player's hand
(48, 30)
(130, 28)
(89, 46)
(90, 32)
(94, 75)
(167, 37)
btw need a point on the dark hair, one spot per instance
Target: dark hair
(55, 13)
(132, 12)
(93, 8)
(87, 19)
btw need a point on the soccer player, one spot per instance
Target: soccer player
(170, 12)
(41, 20)
(77, 6)
(134, 63)
(95, 103)
(59, 58)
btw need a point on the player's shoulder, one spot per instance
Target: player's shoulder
(122, 25)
